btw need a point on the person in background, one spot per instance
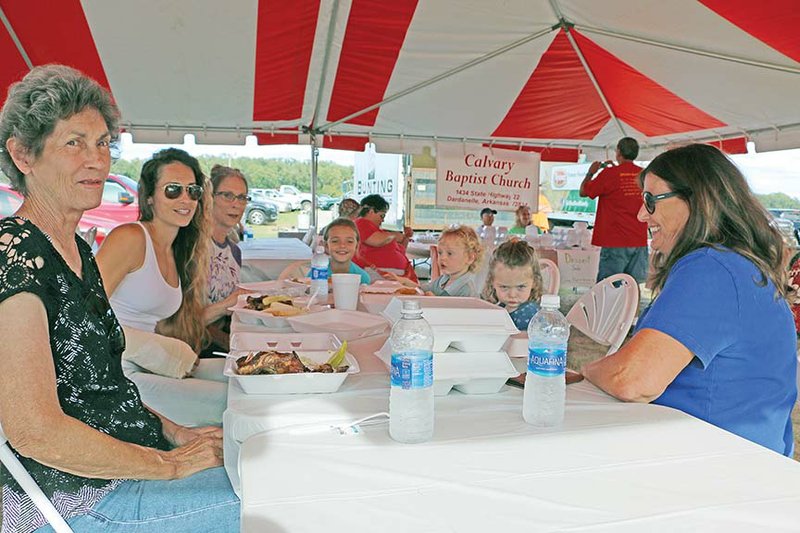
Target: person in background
(718, 340)
(460, 252)
(340, 239)
(73, 420)
(622, 237)
(514, 281)
(348, 208)
(539, 218)
(523, 220)
(155, 271)
(381, 249)
(487, 216)
(230, 200)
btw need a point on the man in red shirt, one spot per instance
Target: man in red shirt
(617, 229)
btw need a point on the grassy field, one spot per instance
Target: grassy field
(286, 221)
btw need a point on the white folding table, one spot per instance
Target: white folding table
(265, 258)
(612, 467)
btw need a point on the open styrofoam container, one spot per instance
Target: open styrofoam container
(468, 372)
(316, 347)
(347, 325)
(251, 316)
(467, 324)
(517, 345)
(276, 287)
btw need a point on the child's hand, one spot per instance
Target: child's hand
(403, 281)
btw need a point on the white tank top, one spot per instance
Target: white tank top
(144, 297)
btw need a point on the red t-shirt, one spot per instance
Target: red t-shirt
(620, 198)
(391, 255)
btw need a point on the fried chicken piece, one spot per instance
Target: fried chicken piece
(270, 362)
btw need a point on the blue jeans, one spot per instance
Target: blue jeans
(632, 261)
(202, 502)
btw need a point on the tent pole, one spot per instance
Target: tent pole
(11, 33)
(314, 158)
(686, 49)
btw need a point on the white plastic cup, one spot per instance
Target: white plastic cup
(345, 291)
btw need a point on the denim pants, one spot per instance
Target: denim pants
(204, 502)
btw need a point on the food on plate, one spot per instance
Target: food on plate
(273, 362)
(406, 290)
(275, 305)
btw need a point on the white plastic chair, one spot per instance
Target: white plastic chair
(30, 487)
(296, 269)
(551, 276)
(605, 313)
(309, 238)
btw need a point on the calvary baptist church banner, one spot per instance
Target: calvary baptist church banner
(471, 176)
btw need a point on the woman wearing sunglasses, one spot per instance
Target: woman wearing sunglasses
(77, 425)
(718, 340)
(155, 270)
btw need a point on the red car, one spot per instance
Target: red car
(119, 205)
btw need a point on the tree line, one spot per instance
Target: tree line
(263, 173)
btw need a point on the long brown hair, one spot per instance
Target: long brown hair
(190, 248)
(514, 254)
(723, 212)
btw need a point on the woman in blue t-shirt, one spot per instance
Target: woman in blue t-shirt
(718, 341)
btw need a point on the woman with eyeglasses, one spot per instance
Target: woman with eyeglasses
(77, 425)
(230, 200)
(718, 339)
(381, 249)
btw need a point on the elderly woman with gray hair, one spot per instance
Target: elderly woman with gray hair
(77, 424)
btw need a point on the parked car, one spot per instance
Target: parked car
(792, 215)
(120, 202)
(259, 212)
(10, 201)
(284, 205)
(327, 202)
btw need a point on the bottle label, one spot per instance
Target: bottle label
(319, 273)
(547, 362)
(412, 370)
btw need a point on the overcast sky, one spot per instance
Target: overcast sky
(767, 173)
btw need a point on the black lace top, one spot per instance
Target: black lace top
(86, 342)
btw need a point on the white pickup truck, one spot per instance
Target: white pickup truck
(300, 199)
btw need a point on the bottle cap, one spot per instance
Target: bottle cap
(551, 300)
(411, 305)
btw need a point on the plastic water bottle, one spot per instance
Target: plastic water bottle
(545, 389)
(320, 272)
(411, 394)
(248, 233)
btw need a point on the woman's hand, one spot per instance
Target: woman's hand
(183, 435)
(200, 453)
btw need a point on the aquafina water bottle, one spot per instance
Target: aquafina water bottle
(411, 393)
(320, 272)
(545, 387)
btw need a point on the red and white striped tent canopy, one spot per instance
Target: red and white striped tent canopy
(560, 75)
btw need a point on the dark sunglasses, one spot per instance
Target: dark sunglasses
(651, 199)
(174, 190)
(229, 196)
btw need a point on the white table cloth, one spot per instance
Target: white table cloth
(265, 258)
(611, 467)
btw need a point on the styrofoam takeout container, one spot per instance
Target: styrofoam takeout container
(316, 347)
(468, 372)
(276, 287)
(517, 345)
(467, 324)
(347, 325)
(251, 316)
